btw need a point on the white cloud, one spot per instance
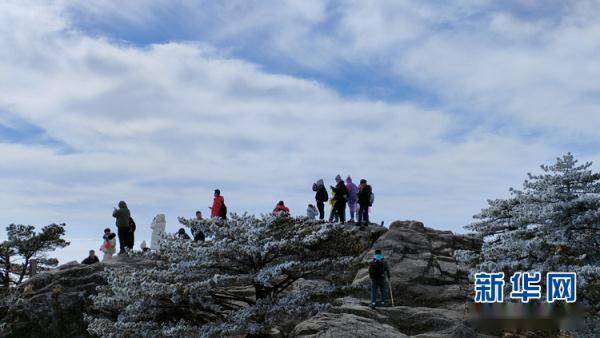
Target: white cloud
(526, 63)
(162, 125)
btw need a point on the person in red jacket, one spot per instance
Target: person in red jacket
(281, 207)
(218, 202)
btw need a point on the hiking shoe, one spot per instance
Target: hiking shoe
(373, 305)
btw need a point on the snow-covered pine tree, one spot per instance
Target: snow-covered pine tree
(239, 281)
(552, 224)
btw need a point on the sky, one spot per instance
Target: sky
(440, 105)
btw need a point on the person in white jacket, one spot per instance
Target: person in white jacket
(109, 246)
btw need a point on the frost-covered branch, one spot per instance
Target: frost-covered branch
(238, 281)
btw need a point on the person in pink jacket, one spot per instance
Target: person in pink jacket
(352, 197)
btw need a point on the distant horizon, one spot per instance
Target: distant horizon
(441, 106)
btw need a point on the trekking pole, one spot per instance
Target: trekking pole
(391, 294)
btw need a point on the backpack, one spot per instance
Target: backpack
(371, 198)
(376, 268)
(223, 211)
(131, 224)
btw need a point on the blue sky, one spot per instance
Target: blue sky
(440, 105)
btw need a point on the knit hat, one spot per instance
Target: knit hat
(320, 182)
(338, 178)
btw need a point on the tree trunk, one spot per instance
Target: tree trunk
(6, 278)
(23, 271)
(7, 268)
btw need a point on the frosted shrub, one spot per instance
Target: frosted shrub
(240, 281)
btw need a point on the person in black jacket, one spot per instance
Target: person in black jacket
(182, 234)
(198, 235)
(341, 197)
(321, 197)
(379, 272)
(364, 202)
(91, 259)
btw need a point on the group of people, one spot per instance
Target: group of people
(198, 235)
(125, 233)
(342, 195)
(108, 247)
(349, 194)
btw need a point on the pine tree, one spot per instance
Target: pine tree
(552, 224)
(23, 245)
(238, 281)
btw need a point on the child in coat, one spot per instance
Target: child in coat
(109, 246)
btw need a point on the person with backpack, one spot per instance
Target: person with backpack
(365, 200)
(321, 197)
(379, 272)
(109, 244)
(132, 228)
(123, 217)
(218, 208)
(341, 197)
(280, 207)
(352, 197)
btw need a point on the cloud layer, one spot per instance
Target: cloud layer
(159, 104)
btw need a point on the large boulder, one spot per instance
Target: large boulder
(423, 269)
(343, 325)
(364, 237)
(354, 318)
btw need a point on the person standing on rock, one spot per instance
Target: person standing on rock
(333, 216)
(352, 197)
(379, 272)
(123, 217)
(132, 227)
(364, 195)
(341, 197)
(109, 246)
(91, 259)
(218, 208)
(321, 197)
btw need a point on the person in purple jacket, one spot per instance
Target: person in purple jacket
(352, 197)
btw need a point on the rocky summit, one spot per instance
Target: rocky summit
(430, 292)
